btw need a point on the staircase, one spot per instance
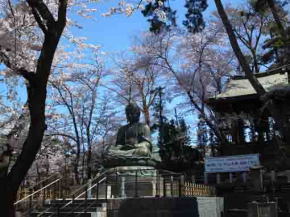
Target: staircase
(64, 208)
(101, 193)
(51, 199)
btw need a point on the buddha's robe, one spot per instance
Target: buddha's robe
(133, 140)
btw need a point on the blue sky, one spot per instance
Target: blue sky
(115, 33)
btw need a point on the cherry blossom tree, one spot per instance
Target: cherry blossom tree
(251, 30)
(86, 112)
(34, 65)
(30, 32)
(199, 63)
(135, 78)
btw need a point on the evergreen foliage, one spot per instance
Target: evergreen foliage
(162, 16)
(194, 20)
(277, 45)
(173, 140)
(176, 152)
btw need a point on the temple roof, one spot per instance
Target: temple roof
(240, 86)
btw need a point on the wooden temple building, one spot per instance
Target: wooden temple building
(247, 126)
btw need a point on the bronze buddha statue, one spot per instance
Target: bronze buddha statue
(133, 145)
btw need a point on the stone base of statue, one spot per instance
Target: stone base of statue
(116, 161)
(132, 181)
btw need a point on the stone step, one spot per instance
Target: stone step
(76, 201)
(61, 214)
(71, 208)
(78, 206)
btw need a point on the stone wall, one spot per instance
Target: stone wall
(166, 207)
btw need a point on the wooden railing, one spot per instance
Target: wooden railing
(192, 189)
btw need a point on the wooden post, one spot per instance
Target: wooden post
(164, 187)
(123, 180)
(136, 183)
(97, 193)
(154, 186)
(193, 179)
(273, 176)
(89, 193)
(244, 176)
(205, 181)
(30, 200)
(106, 188)
(231, 177)
(171, 186)
(160, 183)
(261, 179)
(218, 178)
(158, 193)
(86, 198)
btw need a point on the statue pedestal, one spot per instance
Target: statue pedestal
(132, 181)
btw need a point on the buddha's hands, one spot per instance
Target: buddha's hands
(131, 142)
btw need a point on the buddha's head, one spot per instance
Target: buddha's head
(132, 113)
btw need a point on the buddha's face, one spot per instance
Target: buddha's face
(132, 114)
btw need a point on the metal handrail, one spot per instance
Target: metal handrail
(44, 180)
(172, 185)
(38, 184)
(35, 192)
(85, 192)
(99, 182)
(80, 194)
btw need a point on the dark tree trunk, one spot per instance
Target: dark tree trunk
(6, 198)
(237, 50)
(76, 167)
(89, 159)
(36, 94)
(146, 115)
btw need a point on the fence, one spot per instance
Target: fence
(192, 189)
(115, 184)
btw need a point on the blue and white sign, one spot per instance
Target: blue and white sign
(234, 163)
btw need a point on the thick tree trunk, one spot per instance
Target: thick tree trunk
(12, 181)
(237, 50)
(6, 199)
(36, 92)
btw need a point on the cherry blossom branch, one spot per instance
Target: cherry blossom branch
(63, 135)
(21, 71)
